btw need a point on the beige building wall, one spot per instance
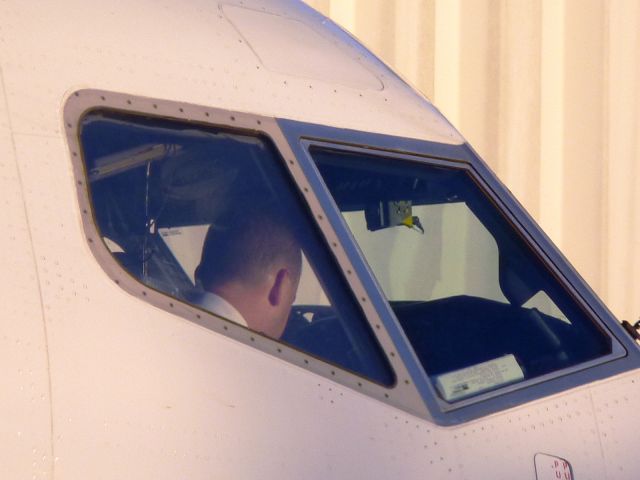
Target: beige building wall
(548, 92)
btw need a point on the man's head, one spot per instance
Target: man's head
(255, 265)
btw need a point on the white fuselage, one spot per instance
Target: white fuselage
(99, 383)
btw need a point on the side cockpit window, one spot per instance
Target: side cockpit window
(210, 217)
(479, 307)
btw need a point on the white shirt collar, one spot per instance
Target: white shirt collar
(218, 305)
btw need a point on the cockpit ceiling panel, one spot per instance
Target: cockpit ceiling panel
(286, 61)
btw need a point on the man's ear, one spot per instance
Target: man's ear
(196, 277)
(277, 288)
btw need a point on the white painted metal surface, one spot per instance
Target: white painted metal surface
(98, 383)
(25, 397)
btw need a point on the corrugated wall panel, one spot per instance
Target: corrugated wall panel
(547, 92)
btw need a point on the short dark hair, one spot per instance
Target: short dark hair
(245, 247)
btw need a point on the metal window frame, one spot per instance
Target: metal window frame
(625, 353)
(404, 394)
(413, 391)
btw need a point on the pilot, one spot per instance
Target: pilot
(249, 271)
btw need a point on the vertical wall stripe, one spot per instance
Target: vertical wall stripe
(408, 32)
(519, 116)
(375, 24)
(584, 137)
(631, 309)
(480, 87)
(552, 119)
(622, 85)
(447, 59)
(344, 13)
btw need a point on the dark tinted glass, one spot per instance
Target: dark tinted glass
(479, 307)
(160, 187)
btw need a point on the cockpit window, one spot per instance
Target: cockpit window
(210, 217)
(477, 304)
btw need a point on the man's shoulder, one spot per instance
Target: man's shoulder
(216, 304)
